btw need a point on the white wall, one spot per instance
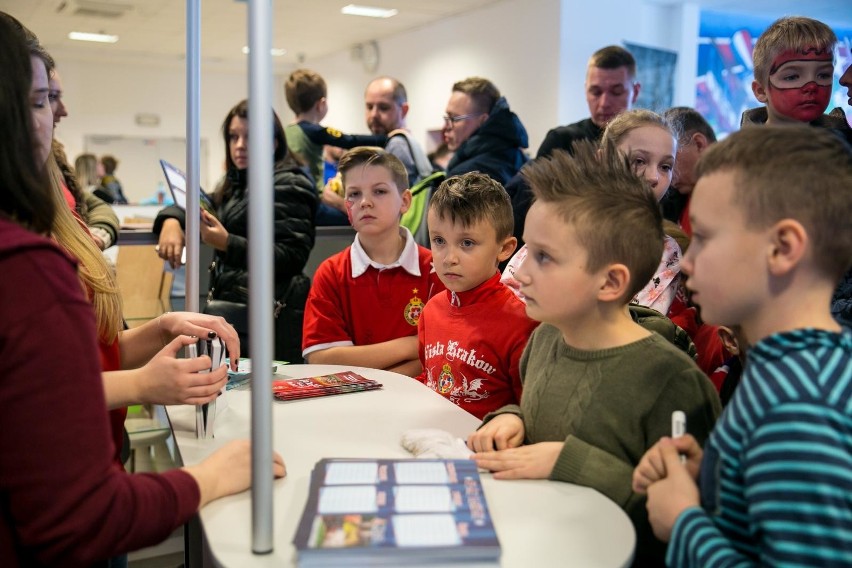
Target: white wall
(513, 43)
(586, 28)
(535, 51)
(104, 99)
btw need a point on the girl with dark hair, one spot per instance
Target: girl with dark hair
(25, 198)
(64, 500)
(295, 205)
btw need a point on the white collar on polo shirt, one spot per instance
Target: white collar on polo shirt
(409, 260)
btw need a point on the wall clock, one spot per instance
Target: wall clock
(370, 56)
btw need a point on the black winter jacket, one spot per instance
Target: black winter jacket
(564, 137)
(295, 203)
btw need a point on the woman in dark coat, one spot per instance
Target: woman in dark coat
(295, 204)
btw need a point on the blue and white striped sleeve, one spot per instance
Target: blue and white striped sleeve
(697, 541)
(797, 475)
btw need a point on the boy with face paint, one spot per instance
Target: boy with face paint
(793, 73)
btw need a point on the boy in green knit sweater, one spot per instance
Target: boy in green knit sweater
(598, 388)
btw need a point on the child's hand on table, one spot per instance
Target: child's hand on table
(535, 461)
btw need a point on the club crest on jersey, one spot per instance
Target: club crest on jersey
(333, 132)
(446, 381)
(413, 309)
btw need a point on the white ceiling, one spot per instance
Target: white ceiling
(155, 29)
(307, 29)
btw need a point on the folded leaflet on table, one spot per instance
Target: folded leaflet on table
(323, 385)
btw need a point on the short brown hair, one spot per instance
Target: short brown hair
(613, 57)
(303, 89)
(482, 92)
(793, 33)
(374, 156)
(612, 211)
(109, 163)
(473, 197)
(791, 172)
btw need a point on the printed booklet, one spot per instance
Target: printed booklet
(383, 512)
(336, 383)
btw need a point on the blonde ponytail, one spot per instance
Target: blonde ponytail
(95, 274)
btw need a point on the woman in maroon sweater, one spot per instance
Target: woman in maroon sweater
(61, 499)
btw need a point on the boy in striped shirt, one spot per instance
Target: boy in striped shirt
(771, 237)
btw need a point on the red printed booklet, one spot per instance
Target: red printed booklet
(325, 385)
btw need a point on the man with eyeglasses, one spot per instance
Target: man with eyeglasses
(483, 132)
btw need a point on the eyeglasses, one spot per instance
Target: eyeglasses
(452, 120)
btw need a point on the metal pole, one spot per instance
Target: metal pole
(261, 274)
(193, 169)
(194, 532)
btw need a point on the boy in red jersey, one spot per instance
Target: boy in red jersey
(366, 300)
(472, 335)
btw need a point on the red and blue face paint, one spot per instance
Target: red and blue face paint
(800, 84)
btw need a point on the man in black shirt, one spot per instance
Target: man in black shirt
(611, 88)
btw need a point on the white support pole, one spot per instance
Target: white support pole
(261, 265)
(193, 145)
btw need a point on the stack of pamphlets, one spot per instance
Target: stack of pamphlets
(337, 383)
(241, 378)
(382, 512)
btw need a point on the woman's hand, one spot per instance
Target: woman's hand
(165, 379)
(171, 243)
(228, 470)
(213, 232)
(172, 324)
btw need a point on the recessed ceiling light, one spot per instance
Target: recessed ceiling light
(274, 52)
(368, 11)
(100, 38)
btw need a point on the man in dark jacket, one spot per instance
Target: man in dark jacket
(611, 88)
(483, 132)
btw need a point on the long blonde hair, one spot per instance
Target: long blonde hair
(95, 275)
